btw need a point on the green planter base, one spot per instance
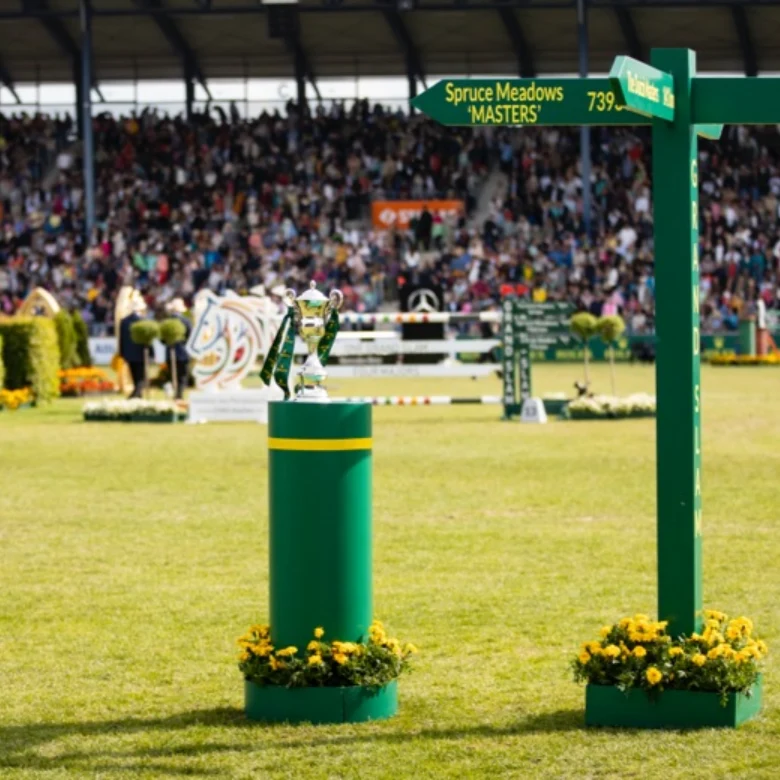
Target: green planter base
(555, 407)
(605, 705)
(275, 704)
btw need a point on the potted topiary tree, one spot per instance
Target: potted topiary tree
(144, 332)
(610, 329)
(583, 326)
(172, 332)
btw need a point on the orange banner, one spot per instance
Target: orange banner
(399, 213)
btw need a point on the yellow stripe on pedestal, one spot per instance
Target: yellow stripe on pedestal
(319, 445)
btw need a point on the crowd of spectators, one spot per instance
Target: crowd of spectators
(223, 203)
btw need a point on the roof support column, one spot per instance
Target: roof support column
(88, 149)
(189, 92)
(582, 46)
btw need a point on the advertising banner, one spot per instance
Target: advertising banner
(386, 214)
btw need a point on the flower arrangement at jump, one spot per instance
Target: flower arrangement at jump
(772, 359)
(133, 410)
(324, 663)
(13, 399)
(636, 658)
(607, 407)
(76, 382)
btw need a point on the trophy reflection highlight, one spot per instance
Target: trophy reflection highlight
(311, 311)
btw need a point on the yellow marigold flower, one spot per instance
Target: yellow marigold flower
(661, 625)
(714, 653)
(605, 631)
(340, 658)
(612, 651)
(276, 664)
(675, 651)
(625, 622)
(261, 630)
(699, 659)
(715, 638)
(313, 645)
(732, 633)
(409, 649)
(640, 617)
(245, 656)
(583, 657)
(640, 651)
(286, 652)
(263, 649)
(636, 636)
(742, 656)
(712, 624)
(319, 632)
(653, 675)
(594, 648)
(713, 614)
(315, 660)
(762, 647)
(245, 639)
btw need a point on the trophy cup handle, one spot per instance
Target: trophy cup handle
(336, 299)
(289, 297)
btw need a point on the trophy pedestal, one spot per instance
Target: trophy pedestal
(319, 471)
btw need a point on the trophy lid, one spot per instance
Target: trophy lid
(312, 295)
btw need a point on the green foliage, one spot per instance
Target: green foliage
(31, 355)
(66, 339)
(583, 325)
(144, 332)
(83, 358)
(638, 653)
(610, 328)
(172, 332)
(325, 663)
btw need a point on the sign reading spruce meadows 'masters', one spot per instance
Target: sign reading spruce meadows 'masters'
(679, 106)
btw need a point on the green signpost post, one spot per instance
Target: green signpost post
(679, 106)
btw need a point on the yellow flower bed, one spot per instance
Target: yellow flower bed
(638, 653)
(13, 399)
(324, 663)
(772, 359)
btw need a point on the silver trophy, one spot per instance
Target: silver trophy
(310, 315)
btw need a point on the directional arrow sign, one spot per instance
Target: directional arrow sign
(525, 102)
(643, 89)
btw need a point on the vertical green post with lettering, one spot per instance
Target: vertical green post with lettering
(676, 206)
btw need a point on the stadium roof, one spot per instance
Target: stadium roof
(40, 40)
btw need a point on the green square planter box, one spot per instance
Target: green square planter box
(276, 704)
(555, 406)
(606, 705)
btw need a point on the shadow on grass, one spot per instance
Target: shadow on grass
(20, 742)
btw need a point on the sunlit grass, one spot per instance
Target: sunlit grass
(131, 556)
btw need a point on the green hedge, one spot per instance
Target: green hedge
(31, 355)
(66, 339)
(82, 341)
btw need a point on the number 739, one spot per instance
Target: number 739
(603, 101)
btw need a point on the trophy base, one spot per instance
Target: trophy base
(315, 395)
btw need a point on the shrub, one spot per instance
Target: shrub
(31, 355)
(610, 329)
(84, 359)
(638, 653)
(583, 326)
(144, 332)
(66, 338)
(326, 663)
(172, 332)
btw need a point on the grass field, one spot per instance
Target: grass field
(132, 556)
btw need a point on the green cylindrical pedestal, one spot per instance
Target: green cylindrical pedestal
(747, 336)
(320, 521)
